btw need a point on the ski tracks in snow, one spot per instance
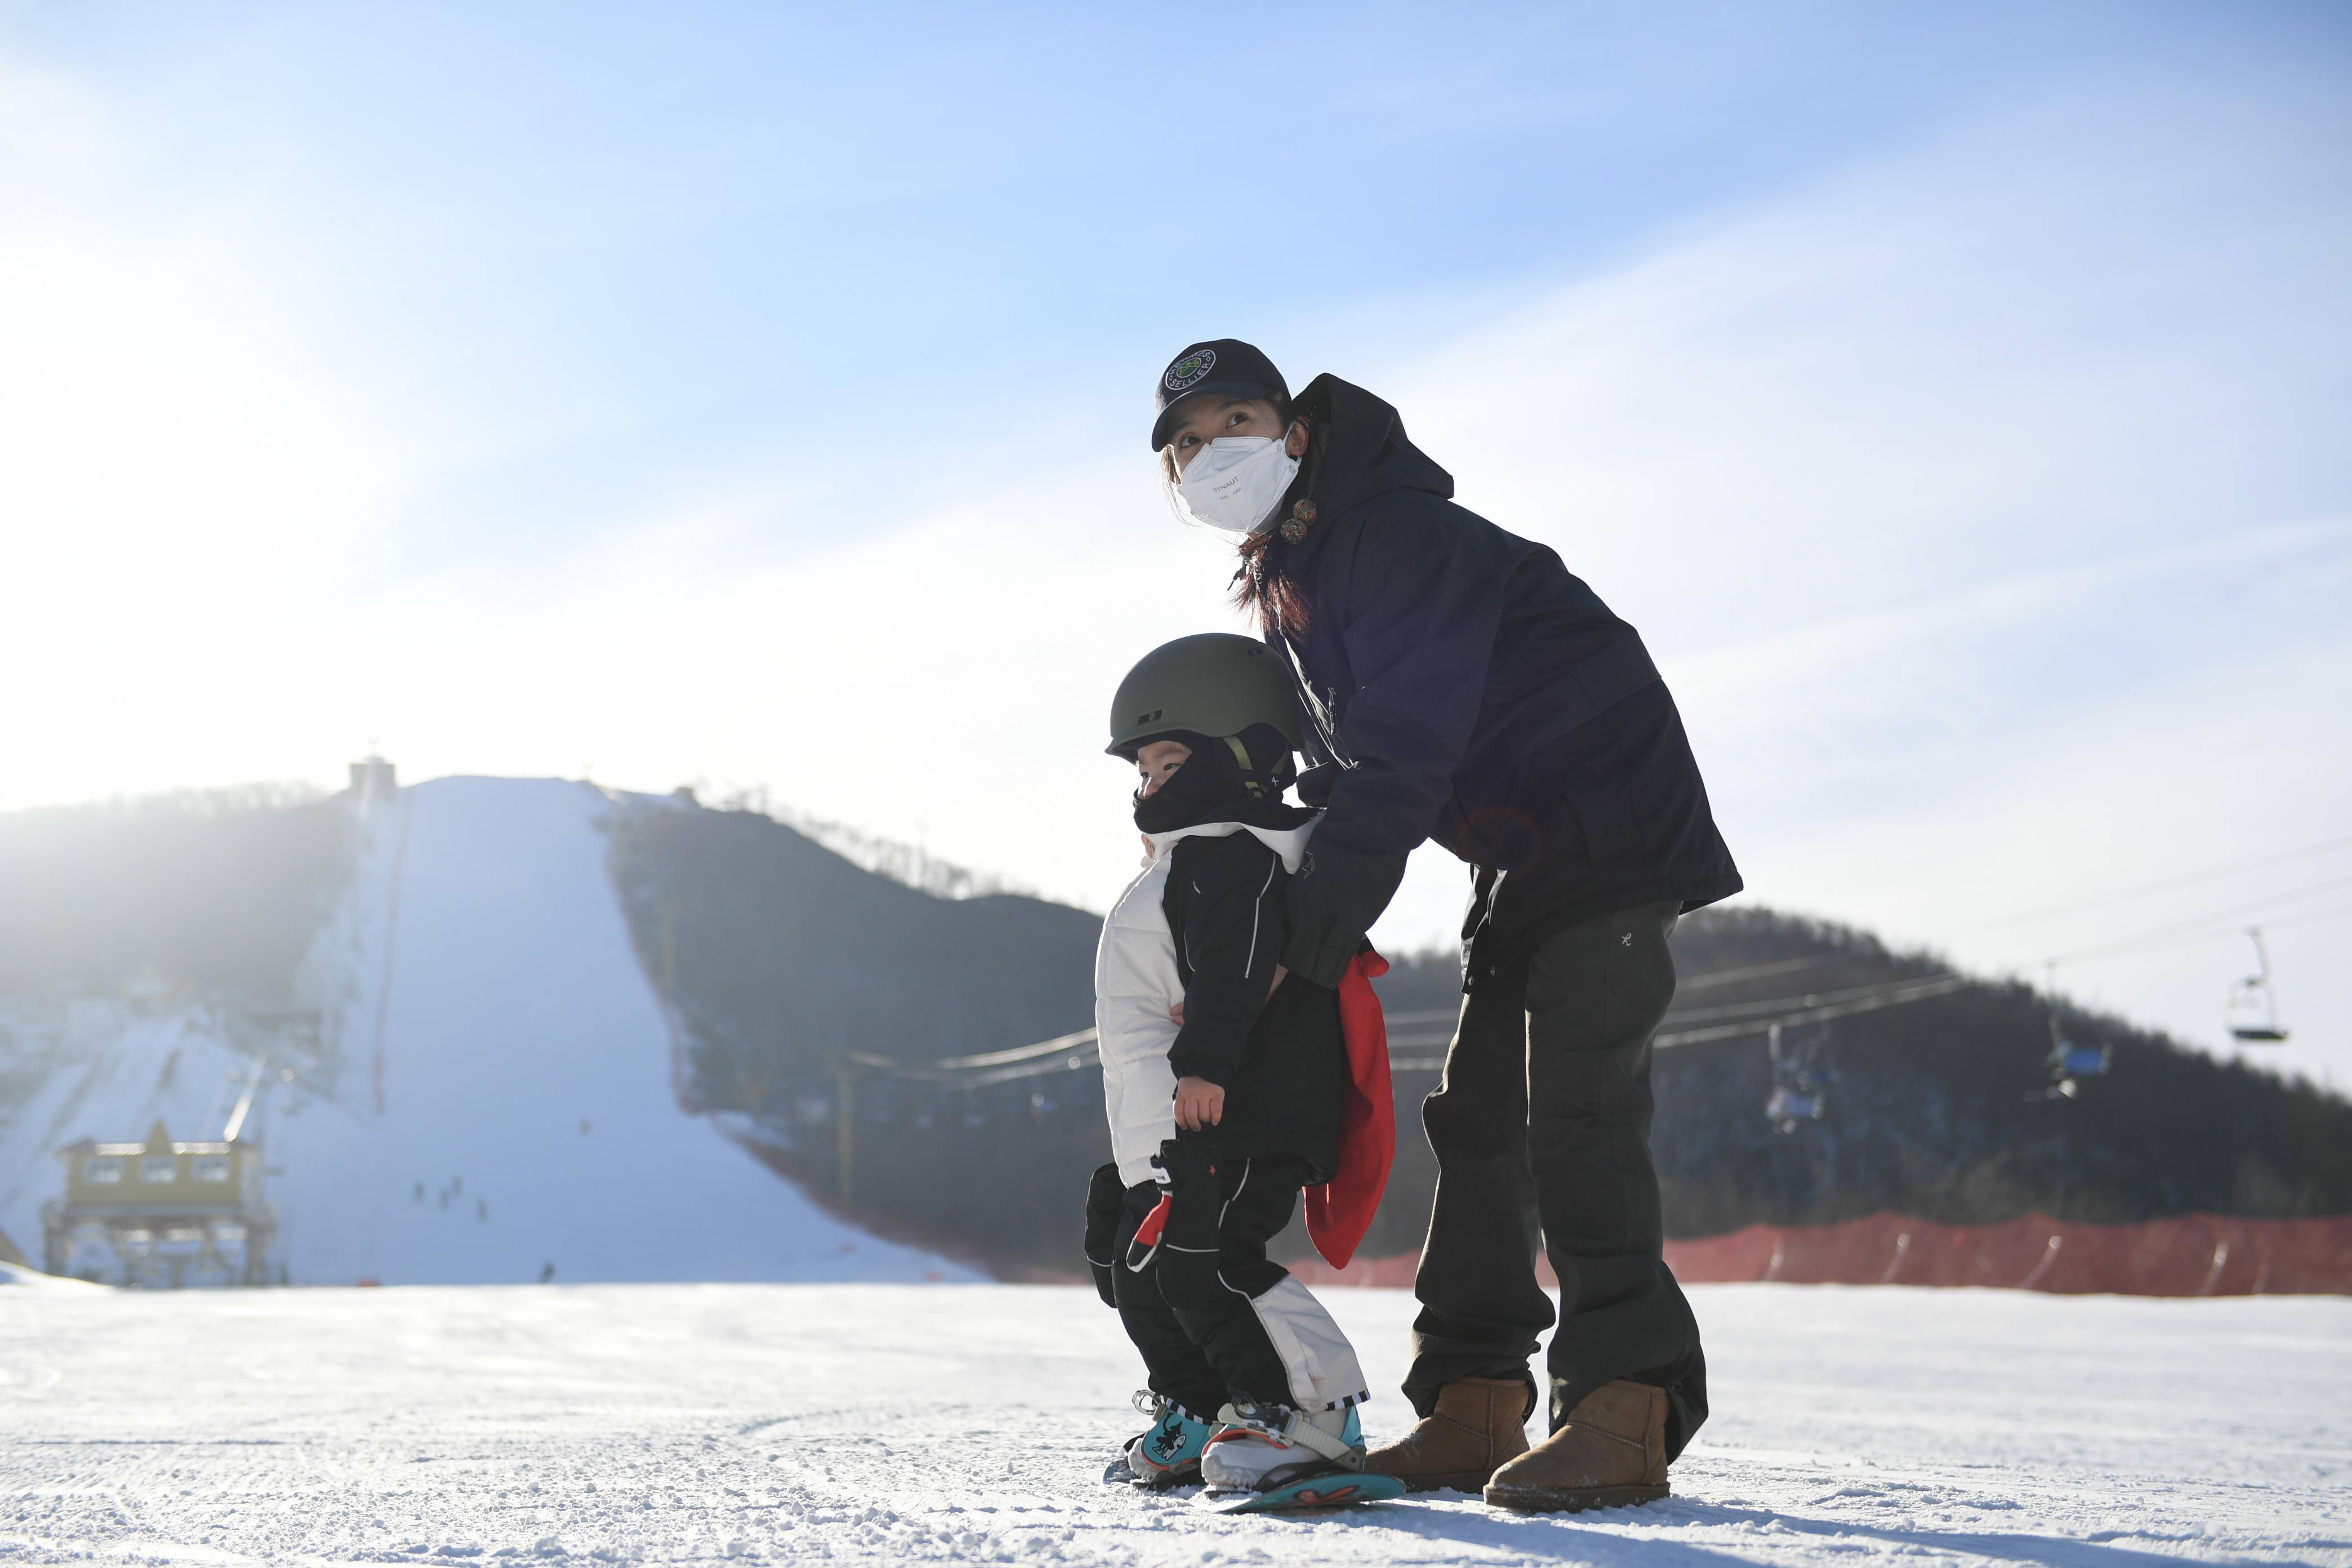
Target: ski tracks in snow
(968, 1424)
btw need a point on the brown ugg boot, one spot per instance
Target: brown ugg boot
(1479, 1423)
(1612, 1452)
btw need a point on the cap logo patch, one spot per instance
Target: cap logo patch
(1188, 370)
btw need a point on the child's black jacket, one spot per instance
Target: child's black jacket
(1281, 1059)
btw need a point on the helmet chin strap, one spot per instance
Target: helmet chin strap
(1279, 777)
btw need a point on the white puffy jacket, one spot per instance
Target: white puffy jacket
(1136, 983)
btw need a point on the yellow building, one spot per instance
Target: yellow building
(162, 1214)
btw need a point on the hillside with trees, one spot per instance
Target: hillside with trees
(214, 893)
(781, 960)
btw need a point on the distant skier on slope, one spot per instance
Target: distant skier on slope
(1229, 1091)
(1464, 689)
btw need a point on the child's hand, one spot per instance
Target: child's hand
(1200, 1104)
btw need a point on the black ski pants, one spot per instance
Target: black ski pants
(1211, 1347)
(1541, 1129)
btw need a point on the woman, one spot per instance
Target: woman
(1464, 688)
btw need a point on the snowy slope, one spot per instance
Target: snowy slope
(492, 1042)
(17, 1278)
(911, 1424)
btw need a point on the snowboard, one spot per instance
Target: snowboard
(1119, 1472)
(1332, 1488)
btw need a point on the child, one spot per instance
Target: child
(1227, 1083)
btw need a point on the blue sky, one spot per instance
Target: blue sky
(1954, 395)
(602, 255)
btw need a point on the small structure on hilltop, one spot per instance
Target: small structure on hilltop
(373, 781)
(160, 1214)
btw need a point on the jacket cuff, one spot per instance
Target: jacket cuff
(1330, 904)
(1190, 1061)
(1319, 955)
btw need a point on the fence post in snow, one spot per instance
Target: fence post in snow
(847, 1075)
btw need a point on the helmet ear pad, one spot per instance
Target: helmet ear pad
(1266, 756)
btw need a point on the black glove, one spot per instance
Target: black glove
(1187, 1261)
(1106, 1195)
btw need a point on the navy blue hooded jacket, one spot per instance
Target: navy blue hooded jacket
(1464, 688)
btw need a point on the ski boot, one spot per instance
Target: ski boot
(1168, 1454)
(1276, 1457)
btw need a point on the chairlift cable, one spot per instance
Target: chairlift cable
(1915, 991)
(2212, 934)
(1754, 971)
(1403, 1032)
(1694, 983)
(2182, 928)
(1863, 999)
(2184, 879)
(2339, 913)
(1076, 1052)
(1790, 1005)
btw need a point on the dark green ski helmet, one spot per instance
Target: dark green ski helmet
(1214, 684)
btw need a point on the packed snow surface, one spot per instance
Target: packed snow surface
(970, 1423)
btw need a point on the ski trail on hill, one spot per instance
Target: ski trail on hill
(479, 975)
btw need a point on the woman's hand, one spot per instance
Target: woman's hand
(1200, 1104)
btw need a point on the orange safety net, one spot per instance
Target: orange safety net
(2194, 1255)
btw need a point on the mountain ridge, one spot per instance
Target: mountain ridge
(757, 969)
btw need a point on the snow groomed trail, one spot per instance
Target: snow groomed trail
(524, 1067)
(499, 1095)
(967, 1423)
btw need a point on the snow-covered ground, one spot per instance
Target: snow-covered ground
(967, 1423)
(496, 1094)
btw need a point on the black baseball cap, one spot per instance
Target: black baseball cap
(1226, 367)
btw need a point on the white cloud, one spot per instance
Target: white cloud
(1978, 506)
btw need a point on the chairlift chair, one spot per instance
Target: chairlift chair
(2073, 1059)
(1798, 1094)
(1790, 1106)
(2251, 1010)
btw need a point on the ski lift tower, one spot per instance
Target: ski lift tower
(374, 783)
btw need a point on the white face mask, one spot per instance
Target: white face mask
(1234, 483)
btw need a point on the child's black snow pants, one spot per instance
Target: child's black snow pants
(1235, 1326)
